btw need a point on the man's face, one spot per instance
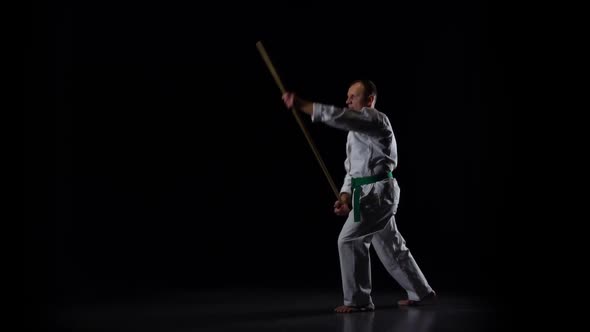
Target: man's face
(355, 99)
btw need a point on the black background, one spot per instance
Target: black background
(159, 155)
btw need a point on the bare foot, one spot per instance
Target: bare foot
(344, 308)
(430, 298)
(349, 309)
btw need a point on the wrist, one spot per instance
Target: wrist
(345, 198)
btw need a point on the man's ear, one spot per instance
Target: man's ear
(371, 101)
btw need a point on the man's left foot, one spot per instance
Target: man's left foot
(348, 309)
(431, 298)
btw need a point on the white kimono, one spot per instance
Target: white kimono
(371, 150)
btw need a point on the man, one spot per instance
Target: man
(373, 192)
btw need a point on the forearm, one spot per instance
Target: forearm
(304, 106)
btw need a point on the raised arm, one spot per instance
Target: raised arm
(292, 100)
(367, 120)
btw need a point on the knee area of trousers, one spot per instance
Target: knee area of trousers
(401, 253)
(344, 242)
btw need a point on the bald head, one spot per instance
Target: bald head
(361, 93)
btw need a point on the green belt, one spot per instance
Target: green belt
(356, 191)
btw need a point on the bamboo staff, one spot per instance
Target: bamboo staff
(307, 136)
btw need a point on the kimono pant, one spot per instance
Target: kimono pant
(377, 228)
